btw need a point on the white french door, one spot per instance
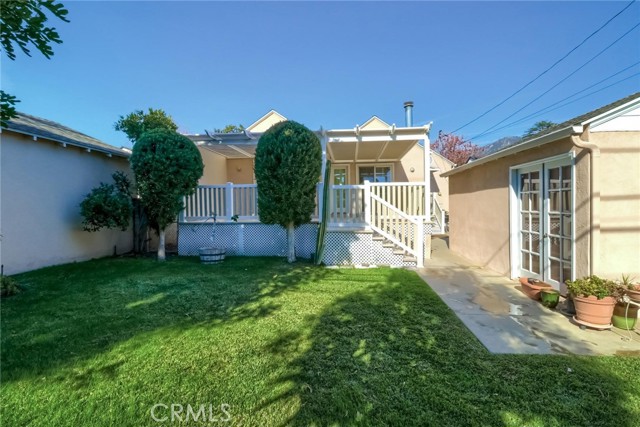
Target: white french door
(545, 221)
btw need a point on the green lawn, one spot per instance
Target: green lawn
(99, 343)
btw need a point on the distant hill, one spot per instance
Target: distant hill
(500, 144)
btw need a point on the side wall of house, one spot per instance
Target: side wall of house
(41, 190)
(215, 168)
(619, 203)
(479, 209)
(240, 171)
(440, 184)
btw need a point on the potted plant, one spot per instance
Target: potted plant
(549, 297)
(631, 288)
(532, 287)
(625, 315)
(594, 299)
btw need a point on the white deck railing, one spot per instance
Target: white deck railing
(394, 210)
(226, 202)
(437, 215)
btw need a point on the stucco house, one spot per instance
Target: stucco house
(562, 204)
(46, 171)
(381, 209)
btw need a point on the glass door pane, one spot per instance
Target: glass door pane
(529, 206)
(558, 218)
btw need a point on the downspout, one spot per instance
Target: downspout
(594, 205)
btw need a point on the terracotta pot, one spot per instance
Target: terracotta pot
(532, 288)
(623, 317)
(634, 294)
(593, 310)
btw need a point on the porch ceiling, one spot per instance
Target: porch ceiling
(231, 151)
(369, 151)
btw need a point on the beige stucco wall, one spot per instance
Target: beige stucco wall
(440, 184)
(42, 185)
(215, 168)
(479, 208)
(413, 159)
(240, 171)
(619, 178)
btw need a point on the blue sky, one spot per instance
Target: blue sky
(333, 64)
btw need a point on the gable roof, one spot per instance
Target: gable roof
(585, 118)
(375, 123)
(443, 157)
(38, 127)
(570, 127)
(266, 121)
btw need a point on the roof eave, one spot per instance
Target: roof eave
(535, 142)
(115, 151)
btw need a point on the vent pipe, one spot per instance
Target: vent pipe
(408, 114)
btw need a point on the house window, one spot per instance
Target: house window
(374, 174)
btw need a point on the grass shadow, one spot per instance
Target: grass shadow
(73, 312)
(396, 355)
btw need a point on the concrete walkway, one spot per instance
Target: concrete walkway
(507, 321)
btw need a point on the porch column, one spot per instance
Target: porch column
(427, 192)
(229, 200)
(320, 188)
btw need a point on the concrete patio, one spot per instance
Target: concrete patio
(507, 321)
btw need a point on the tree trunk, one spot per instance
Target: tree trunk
(161, 253)
(291, 239)
(140, 228)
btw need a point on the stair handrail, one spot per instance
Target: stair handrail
(418, 239)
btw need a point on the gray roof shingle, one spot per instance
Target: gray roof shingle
(42, 128)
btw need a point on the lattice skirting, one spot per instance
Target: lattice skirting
(256, 239)
(359, 248)
(245, 239)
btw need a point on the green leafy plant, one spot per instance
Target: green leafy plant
(108, 205)
(595, 286)
(139, 122)
(288, 165)
(629, 282)
(167, 167)
(8, 286)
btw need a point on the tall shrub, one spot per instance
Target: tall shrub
(167, 167)
(108, 205)
(288, 164)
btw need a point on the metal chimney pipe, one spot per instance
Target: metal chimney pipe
(408, 114)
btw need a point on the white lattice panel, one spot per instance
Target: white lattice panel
(256, 239)
(264, 240)
(347, 248)
(306, 237)
(246, 239)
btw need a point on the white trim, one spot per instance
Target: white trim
(240, 150)
(340, 166)
(565, 159)
(569, 154)
(263, 118)
(382, 165)
(374, 117)
(514, 232)
(613, 113)
(376, 138)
